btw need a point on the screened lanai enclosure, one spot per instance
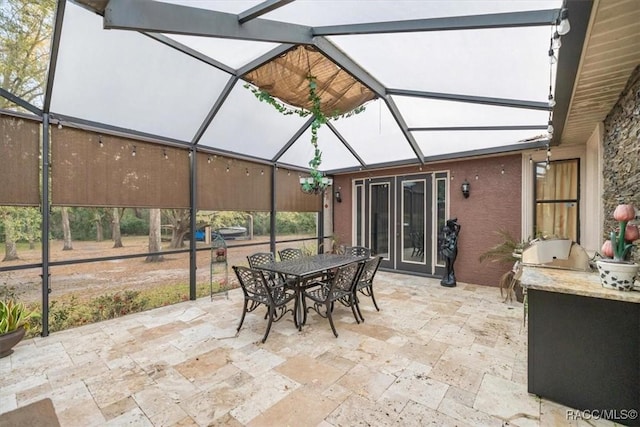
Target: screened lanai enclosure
(202, 106)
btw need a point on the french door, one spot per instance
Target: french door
(414, 223)
(398, 218)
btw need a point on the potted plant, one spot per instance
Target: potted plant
(14, 322)
(507, 251)
(616, 270)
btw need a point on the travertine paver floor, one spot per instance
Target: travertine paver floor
(432, 356)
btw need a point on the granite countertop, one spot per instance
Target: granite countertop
(573, 282)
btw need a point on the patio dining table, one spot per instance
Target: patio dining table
(304, 269)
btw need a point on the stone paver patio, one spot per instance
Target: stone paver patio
(431, 356)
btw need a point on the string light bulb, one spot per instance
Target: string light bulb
(227, 170)
(530, 159)
(552, 57)
(262, 172)
(164, 154)
(550, 127)
(502, 170)
(59, 125)
(133, 152)
(100, 143)
(209, 159)
(556, 43)
(564, 26)
(552, 101)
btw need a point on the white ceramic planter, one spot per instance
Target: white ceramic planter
(617, 275)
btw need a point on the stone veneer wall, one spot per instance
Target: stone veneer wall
(621, 158)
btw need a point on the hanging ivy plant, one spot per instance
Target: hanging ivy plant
(319, 119)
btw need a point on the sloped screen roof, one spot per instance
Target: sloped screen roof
(438, 79)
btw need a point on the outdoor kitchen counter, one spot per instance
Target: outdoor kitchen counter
(571, 282)
(583, 343)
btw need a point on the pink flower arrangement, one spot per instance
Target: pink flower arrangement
(619, 245)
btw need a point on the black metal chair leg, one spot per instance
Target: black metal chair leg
(244, 313)
(333, 328)
(266, 334)
(359, 312)
(373, 298)
(353, 309)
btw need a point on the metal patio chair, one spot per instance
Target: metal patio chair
(364, 284)
(339, 288)
(287, 254)
(261, 258)
(257, 292)
(357, 251)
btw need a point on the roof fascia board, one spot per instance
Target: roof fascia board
(158, 17)
(501, 102)
(168, 41)
(260, 9)
(569, 62)
(476, 128)
(214, 109)
(21, 102)
(472, 22)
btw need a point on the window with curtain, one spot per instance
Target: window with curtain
(557, 199)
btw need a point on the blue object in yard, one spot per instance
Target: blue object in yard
(200, 235)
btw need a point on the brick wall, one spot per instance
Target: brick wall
(621, 158)
(494, 203)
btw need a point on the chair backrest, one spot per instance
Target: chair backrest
(252, 282)
(346, 277)
(369, 269)
(357, 251)
(260, 258)
(290, 253)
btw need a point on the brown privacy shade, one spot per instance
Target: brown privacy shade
(85, 172)
(285, 78)
(225, 184)
(19, 163)
(289, 196)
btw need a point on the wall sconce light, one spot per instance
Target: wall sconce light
(338, 195)
(465, 188)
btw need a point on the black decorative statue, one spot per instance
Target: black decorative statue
(449, 250)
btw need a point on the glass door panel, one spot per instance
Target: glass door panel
(413, 204)
(379, 196)
(380, 223)
(413, 224)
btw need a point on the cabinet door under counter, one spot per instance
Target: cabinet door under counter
(583, 343)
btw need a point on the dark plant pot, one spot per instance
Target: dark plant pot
(9, 340)
(518, 291)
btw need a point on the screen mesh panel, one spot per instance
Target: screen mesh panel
(225, 184)
(19, 169)
(289, 196)
(88, 169)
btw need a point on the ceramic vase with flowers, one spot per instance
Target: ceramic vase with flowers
(616, 270)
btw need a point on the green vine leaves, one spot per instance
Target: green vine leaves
(319, 119)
